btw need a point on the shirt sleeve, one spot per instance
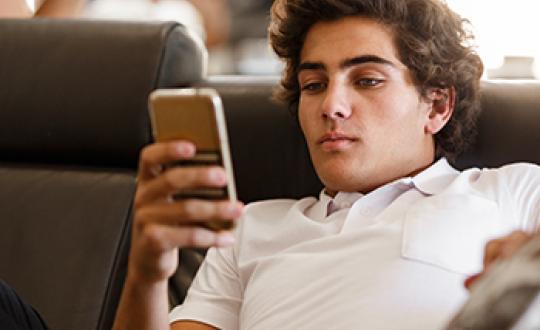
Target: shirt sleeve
(215, 296)
(523, 182)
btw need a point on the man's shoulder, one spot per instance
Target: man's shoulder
(520, 168)
(512, 178)
(514, 171)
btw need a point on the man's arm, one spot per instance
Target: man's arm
(147, 305)
(160, 226)
(143, 306)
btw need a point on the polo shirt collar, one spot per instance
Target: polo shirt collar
(430, 181)
(435, 178)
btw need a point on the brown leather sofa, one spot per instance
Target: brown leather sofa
(73, 117)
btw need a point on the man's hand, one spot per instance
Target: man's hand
(162, 224)
(499, 249)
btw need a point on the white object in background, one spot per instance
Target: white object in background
(164, 10)
(32, 5)
(254, 57)
(496, 37)
(514, 67)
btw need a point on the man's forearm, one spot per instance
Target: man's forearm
(143, 306)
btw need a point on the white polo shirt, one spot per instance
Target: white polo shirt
(395, 258)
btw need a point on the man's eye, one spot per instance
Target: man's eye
(368, 82)
(313, 87)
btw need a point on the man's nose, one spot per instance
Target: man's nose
(336, 105)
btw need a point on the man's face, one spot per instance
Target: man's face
(363, 119)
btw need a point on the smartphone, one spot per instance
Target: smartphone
(196, 115)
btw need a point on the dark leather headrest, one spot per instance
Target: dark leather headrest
(76, 91)
(509, 125)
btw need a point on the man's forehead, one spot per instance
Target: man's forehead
(335, 42)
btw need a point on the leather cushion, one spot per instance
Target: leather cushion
(63, 243)
(76, 91)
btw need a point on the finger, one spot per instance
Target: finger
(154, 156)
(492, 251)
(471, 280)
(514, 242)
(517, 235)
(177, 179)
(161, 238)
(188, 212)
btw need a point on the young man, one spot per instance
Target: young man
(386, 91)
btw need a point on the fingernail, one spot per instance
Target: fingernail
(185, 149)
(225, 239)
(217, 176)
(471, 279)
(234, 210)
(204, 237)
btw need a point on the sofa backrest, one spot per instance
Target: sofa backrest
(508, 127)
(73, 117)
(76, 91)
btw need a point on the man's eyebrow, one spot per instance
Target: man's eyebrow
(358, 60)
(310, 66)
(365, 59)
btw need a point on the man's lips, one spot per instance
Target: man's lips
(336, 141)
(336, 137)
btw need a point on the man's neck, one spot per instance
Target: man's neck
(367, 190)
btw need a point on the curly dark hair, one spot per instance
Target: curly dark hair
(431, 40)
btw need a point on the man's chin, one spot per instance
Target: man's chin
(340, 182)
(347, 176)
(340, 171)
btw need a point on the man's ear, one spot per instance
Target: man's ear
(442, 101)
